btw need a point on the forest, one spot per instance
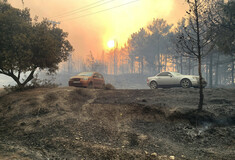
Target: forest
(156, 47)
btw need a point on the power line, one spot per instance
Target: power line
(100, 11)
(82, 9)
(77, 9)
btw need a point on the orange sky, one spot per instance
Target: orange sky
(94, 31)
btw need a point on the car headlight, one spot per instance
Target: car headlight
(85, 79)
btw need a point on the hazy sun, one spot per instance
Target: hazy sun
(111, 43)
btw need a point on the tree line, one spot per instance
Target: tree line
(161, 46)
(27, 45)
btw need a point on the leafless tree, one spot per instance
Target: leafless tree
(192, 37)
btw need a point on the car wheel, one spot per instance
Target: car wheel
(185, 83)
(153, 85)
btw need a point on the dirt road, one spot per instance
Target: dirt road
(71, 123)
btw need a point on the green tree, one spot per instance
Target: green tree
(138, 44)
(159, 31)
(221, 19)
(225, 32)
(150, 45)
(26, 46)
(224, 25)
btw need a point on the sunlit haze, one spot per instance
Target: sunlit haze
(91, 28)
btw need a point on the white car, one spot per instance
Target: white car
(174, 79)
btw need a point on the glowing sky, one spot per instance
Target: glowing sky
(93, 32)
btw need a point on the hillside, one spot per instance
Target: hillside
(77, 123)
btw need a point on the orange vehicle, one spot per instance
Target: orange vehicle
(87, 79)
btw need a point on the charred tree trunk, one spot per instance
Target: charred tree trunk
(165, 62)
(181, 64)
(158, 63)
(211, 72)
(193, 67)
(189, 66)
(132, 65)
(232, 72)
(217, 70)
(201, 96)
(142, 65)
(207, 69)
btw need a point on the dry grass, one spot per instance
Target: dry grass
(80, 95)
(50, 97)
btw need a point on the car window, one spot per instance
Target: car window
(85, 74)
(100, 76)
(164, 74)
(96, 75)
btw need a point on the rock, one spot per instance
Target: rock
(154, 154)
(142, 137)
(183, 156)
(172, 157)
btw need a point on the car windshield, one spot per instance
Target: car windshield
(85, 74)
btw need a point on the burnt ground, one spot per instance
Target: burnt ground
(74, 123)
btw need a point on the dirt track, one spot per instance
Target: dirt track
(117, 124)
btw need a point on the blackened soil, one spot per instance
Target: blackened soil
(71, 123)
